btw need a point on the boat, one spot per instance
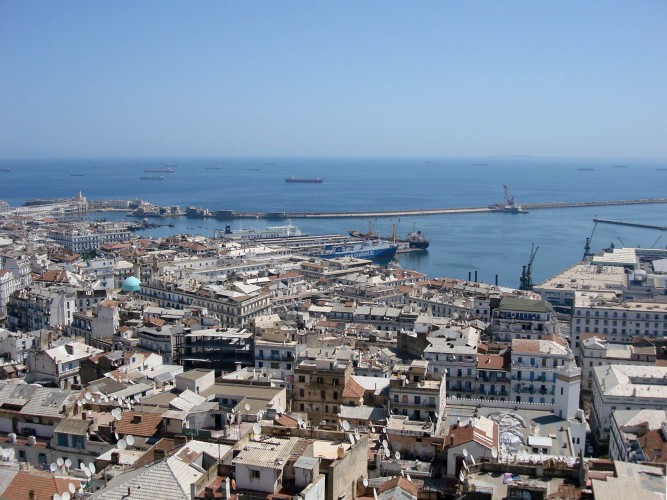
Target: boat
(5, 169)
(414, 240)
(77, 175)
(165, 170)
(152, 177)
(217, 167)
(314, 180)
(288, 231)
(510, 206)
(661, 169)
(586, 169)
(366, 249)
(619, 166)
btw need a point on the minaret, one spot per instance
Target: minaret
(568, 386)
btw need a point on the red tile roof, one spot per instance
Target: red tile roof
(41, 484)
(139, 424)
(353, 389)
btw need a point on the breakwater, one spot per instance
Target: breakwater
(231, 214)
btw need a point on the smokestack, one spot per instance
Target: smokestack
(469, 276)
(496, 280)
(475, 276)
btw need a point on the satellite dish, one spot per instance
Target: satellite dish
(397, 455)
(57, 497)
(375, 494)
(387, 453)
(465, 453)
(115, 434)
(129, 407)
(408, 477)
(365, 482)
(116, 413)
(60, 462)
(66, 496)
(89, 396)
(385, 443)
(53, 467)
(340, 452)
(68, 463)
(461, 477)
(247, 407)
(300, 423)
(122, 444)
(72, 488)
(83, 467)
(78, 403)
(346, 425)
(87, 472)
(91, 468)
(494, 452)
(130, 440)
(372, 429)
(350, 438)
(257, 429)
(233, 484)
(472, 459)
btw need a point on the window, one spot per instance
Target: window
(320, 380)
(301, 393)
(254, 474)
(302, 378)
(418, 400)
(62, 439)
(323, 395)
(335, 395)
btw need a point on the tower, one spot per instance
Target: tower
(568, 386)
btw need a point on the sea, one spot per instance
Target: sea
(490, 246)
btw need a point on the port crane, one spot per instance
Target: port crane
(587, 246)
(526, 273)
(509, 199)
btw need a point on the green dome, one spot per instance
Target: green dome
(131, 284)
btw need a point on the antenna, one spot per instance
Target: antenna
(375, 494)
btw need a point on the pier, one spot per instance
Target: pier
(631, 224)
(427, 211)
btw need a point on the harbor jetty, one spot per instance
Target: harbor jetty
(231, 214)
(631, 224)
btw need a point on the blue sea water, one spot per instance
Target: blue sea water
(489, 243)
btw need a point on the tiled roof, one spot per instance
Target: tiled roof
(41, 484)
(654, 445)
(286, 421)
(139, 424)
(491, 362)
(353, 389)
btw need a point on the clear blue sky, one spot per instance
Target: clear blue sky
(335, 78)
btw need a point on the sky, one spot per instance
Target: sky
(163, 78)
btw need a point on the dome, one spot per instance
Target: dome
(131, 284)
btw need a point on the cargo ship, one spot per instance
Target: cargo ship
(297, 180)
(368, 249)
(165, 170)
(152, 177)
(288, 231)
(414, 240)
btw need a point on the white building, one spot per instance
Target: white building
(617, 320)
(625, 387)
(59, 365)
(478, 436)
(259, 465)
(522, 318)
(534, 367)
(594, 350)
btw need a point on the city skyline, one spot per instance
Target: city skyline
(438, 79)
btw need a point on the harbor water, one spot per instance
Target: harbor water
(486, 243)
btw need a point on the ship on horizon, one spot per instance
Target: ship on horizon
(296, 180)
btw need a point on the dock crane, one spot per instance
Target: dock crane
(587, 246)
(526, 274)
(509, 199)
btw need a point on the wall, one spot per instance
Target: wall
(343, 474)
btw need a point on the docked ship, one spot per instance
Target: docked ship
(367, 249)
(271, 232)
(5, 169)
(165, 170)
(152, 177)
(296, 180)
(414, 240)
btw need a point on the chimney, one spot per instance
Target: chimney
(158, 454)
